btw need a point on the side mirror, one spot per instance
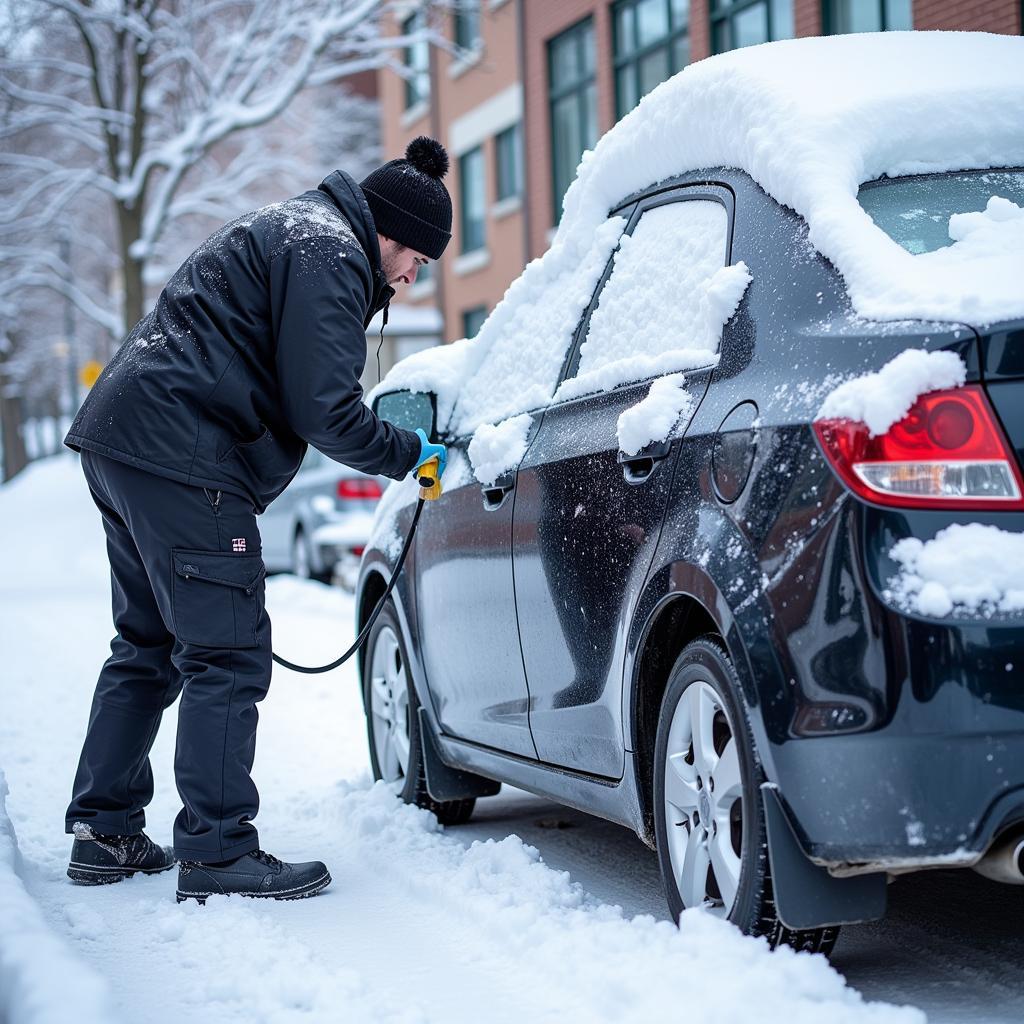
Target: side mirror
(409, 409)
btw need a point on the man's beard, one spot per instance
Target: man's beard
(388, 260)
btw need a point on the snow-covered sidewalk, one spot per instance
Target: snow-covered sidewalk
(417, 926)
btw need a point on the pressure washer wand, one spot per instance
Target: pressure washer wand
(429, 479)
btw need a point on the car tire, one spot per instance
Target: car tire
(708, 816)
(302, 559)
(393, 724)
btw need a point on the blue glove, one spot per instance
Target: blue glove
(428, 451)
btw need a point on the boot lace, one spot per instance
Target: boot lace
(268, 858)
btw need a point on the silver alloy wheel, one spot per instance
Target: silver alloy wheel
(704, 800)
(300, 557)
(389, 706)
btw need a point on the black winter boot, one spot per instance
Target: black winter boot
(99, 860)
(255, 874)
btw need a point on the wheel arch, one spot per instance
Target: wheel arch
(677, 620)
(371, 591)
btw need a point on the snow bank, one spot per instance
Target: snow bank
(498, 449)
(411, 906)
(653, 418)
(41, 982)
(520, 916)
(884, 398)
(966, 567)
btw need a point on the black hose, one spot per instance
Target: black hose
(365, 632)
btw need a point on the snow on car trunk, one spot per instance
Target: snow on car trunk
(966, 569)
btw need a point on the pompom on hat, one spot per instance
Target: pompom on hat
(408, 200)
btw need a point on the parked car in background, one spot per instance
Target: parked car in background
(732, 536)
(342, 544)
(321, 522)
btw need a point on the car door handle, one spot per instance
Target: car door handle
(494, 496)
(637, 468)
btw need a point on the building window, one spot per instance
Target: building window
(841, 16)
(467, 24)
(472, 320)
(736, 23)
(650, 42)
(416, 57)
(508, 163)
(573, 99)
(472, 199)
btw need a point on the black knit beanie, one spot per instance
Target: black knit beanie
(408, 200)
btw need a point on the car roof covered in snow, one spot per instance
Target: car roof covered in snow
(812, 119)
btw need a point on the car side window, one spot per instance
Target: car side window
(520, 352)
(657, 312)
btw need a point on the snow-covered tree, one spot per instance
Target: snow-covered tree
(129, 129)
(155, 107)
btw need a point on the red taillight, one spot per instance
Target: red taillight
(358, 487)
(947, 452)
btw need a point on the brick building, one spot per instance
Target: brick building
(535, 82)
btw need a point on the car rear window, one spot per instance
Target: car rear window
(915, 211)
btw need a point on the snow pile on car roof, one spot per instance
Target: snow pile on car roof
(810, 120)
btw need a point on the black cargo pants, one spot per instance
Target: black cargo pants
(187, 580)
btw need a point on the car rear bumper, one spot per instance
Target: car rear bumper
(895, 740)
(875, 801)
(934, 771)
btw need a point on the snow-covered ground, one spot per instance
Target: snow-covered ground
(420, 924)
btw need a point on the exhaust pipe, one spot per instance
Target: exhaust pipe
(1004, 859)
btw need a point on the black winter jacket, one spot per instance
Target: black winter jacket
(254, 348)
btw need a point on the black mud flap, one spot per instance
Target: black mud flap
(806, 895)
(443, 782)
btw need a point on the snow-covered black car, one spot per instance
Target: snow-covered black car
(730, 549)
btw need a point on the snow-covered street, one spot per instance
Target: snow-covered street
(531, 912)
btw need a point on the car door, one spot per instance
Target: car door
(466, 610)
(587, 514)
(465, 599)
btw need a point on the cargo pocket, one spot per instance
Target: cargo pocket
(215, 597)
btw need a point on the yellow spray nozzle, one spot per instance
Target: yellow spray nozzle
(429, 479)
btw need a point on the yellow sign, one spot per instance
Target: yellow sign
(89, 372)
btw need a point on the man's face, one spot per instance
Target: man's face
(399, 263)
